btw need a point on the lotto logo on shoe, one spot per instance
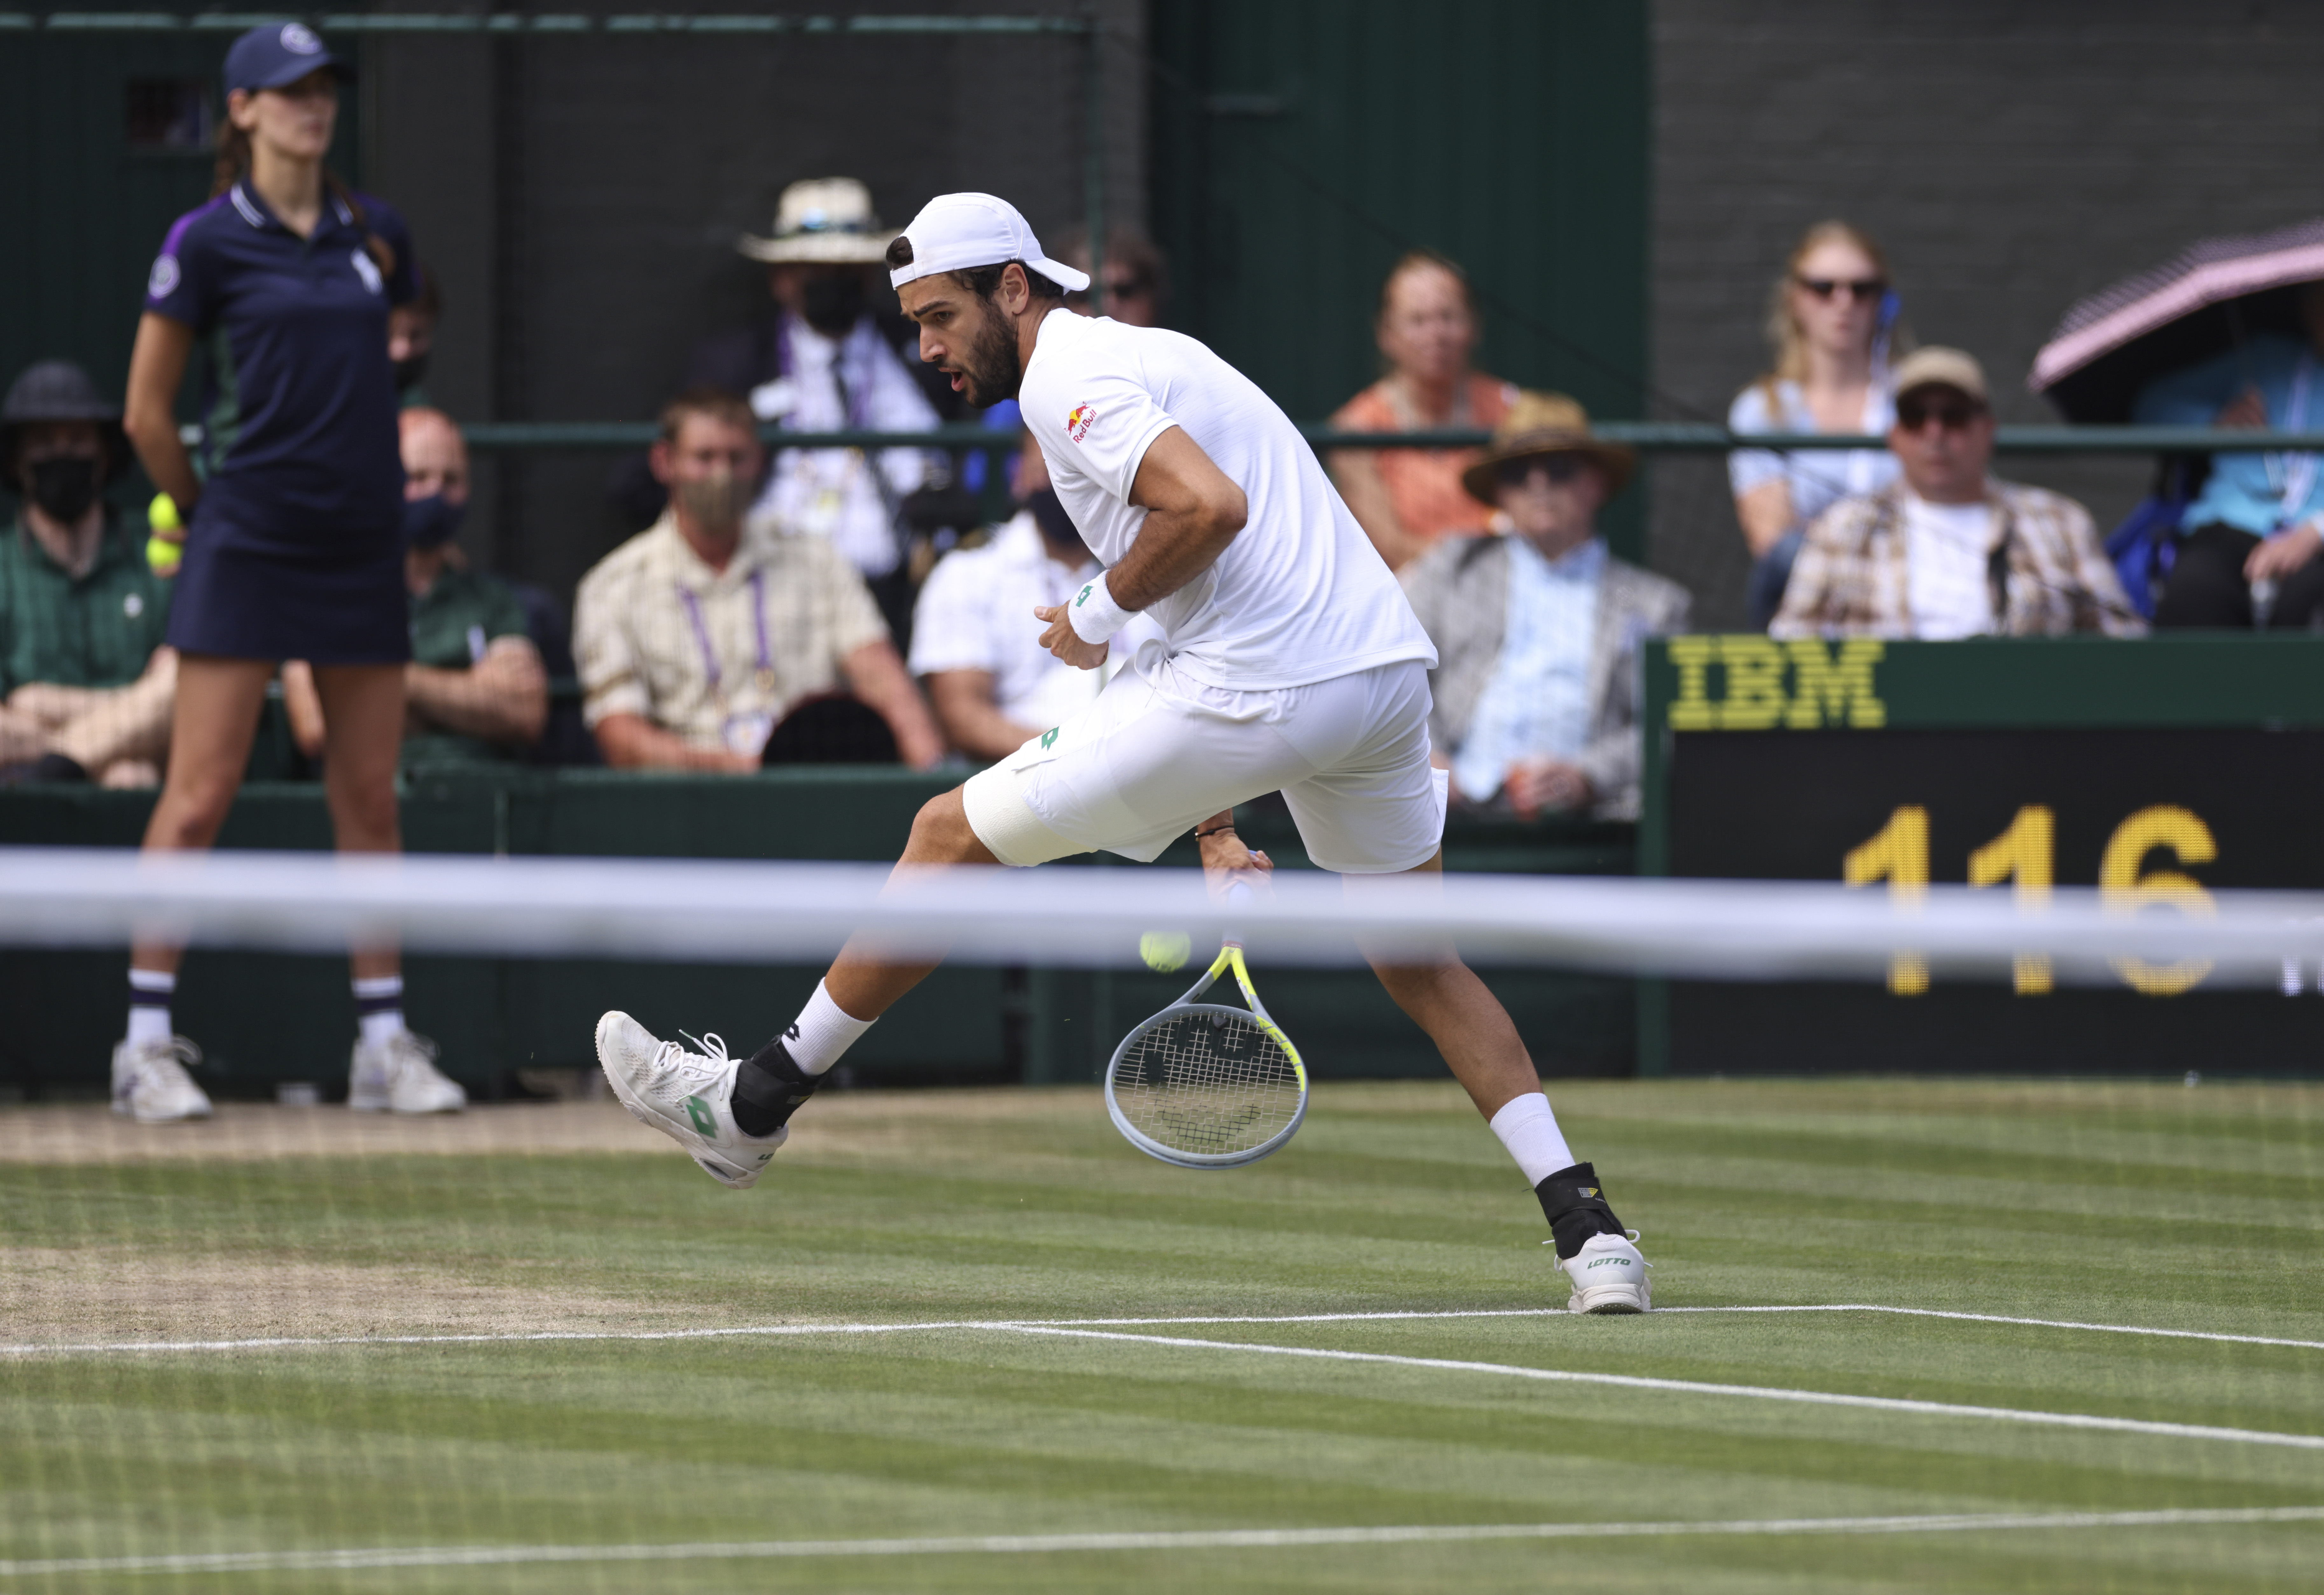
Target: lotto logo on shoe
(1613, 1262)
(1077, 424)
(699, 1112)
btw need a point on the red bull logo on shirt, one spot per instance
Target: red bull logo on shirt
(1077, 424)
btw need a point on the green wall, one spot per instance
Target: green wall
(1301, 145)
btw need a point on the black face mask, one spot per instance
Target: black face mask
(1057, 528)
(63, 488)
(409, 372)
(833, 303)
(432, 522)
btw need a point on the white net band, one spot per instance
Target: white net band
(742, 912)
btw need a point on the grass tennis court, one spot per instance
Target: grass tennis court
(507, 1461)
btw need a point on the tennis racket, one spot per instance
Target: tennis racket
(1203, 1085)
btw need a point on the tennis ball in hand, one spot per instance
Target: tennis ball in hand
(166, 546)
(1165, 950)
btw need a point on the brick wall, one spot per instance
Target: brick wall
(2008, 157)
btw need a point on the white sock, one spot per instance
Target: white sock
(379, 1008)
(150, 992)
(1529, 1131)
(822, 1033)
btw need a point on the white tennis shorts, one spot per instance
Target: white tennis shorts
(1158, 753)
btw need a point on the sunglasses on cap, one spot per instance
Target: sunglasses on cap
(1955, 413)
(1560, 468)
(1862, 289)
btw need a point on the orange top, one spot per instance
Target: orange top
(1424, 483)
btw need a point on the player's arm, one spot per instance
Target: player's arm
(1193, 511)
(157, 366)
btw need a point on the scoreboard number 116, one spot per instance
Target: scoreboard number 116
(2024, 855)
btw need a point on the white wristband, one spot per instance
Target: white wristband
(1095, 616)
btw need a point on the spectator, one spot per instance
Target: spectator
(1948, 551)
(1137, 277)
(1407, 499)
(474, 692)
(2253, 530)
(1831, 320)
(697, 635)
(412, 337)
(292, 547)
(833, 371)
(85, 679)
(975, 643)
(1537, 630)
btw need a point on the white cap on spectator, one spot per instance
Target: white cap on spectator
(960, 232)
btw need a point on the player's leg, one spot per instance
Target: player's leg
(389, 1068)
(214, 721)
(732, 1114)
(1375, 811)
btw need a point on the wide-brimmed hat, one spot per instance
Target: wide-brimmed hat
(827, 220)
(1547, 423)
(56, 391)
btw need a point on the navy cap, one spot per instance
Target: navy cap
(277, 54)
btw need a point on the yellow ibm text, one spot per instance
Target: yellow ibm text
(2025, 854)
(1802, 684)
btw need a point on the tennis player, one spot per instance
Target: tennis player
(1292, 663)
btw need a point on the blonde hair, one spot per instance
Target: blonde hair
(1784, 335)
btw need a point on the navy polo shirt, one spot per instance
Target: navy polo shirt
(300, 452)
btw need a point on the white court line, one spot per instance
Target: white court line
(2009, 1414)
(1227, 1539)
(296, 1343)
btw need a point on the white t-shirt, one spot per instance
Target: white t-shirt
(1946, 550)
(976, 613)
(1300, 595)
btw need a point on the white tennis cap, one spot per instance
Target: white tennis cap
(960, 232)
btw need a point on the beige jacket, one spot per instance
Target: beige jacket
(1461, 590)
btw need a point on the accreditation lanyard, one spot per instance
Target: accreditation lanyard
(2292, 475)
(711, 673)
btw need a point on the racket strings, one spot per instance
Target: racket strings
(1208, 1082)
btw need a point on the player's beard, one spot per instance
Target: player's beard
(991, 371)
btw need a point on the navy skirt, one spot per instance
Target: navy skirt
(247, 605)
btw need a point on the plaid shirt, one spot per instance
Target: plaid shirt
(2048, 572)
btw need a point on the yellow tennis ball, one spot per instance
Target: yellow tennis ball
(162, 554)
(166, 546)
(1165, 950)
(161, 514)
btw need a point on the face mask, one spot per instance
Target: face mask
(432, 522)
(833, 303)
(1057, 528)
(409, 373)
(63, 488)
(715, 503)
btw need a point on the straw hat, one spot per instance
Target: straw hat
(827, 220)
(1547, 423)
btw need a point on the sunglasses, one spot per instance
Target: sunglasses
(1954, 415)
(1560, 468)
(1862, 289)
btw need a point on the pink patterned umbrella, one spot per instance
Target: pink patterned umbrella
(2210, 296)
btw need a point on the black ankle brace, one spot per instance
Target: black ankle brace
(769, 1089)
(1576, 1208)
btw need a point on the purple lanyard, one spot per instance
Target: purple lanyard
(710, 655)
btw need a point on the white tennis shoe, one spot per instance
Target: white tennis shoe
(686, 1095)
(1609, 1275)
(149, 1084)
(400, 1075)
